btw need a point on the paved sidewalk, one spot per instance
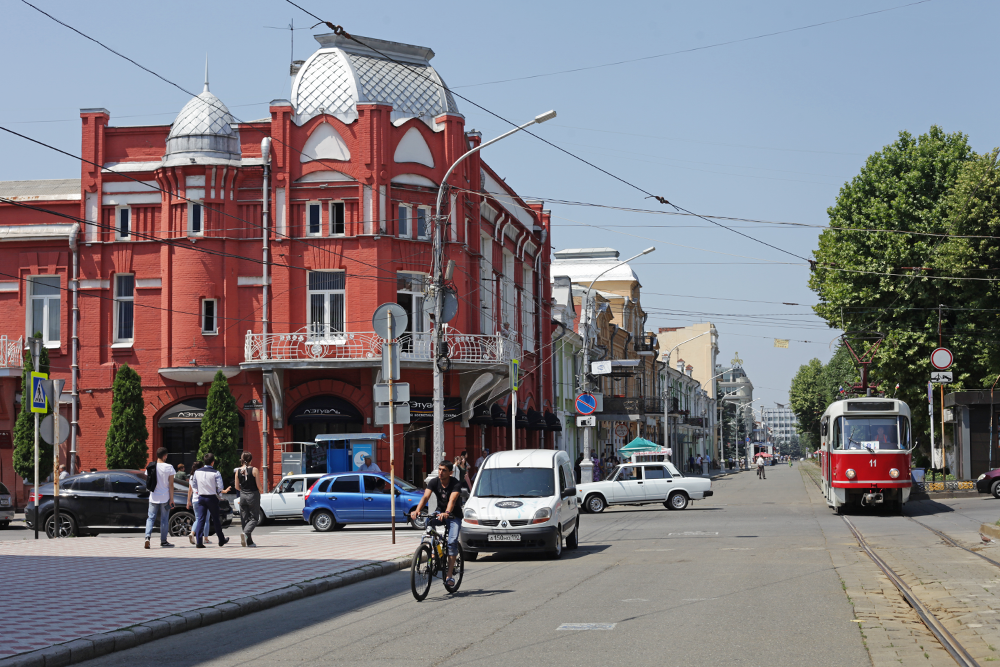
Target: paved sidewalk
(71, 588)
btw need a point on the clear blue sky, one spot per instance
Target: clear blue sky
(767, 129)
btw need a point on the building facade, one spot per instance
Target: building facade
(782, 426)
(690, 416)
(155, 257)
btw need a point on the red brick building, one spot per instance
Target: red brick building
(159, 247)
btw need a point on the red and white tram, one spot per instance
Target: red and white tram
(865, 453)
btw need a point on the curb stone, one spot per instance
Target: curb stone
(94, 646)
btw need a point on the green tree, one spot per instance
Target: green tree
(885, 262)
(24, 427)
(808, 401)
(125, 445)
(220, 427)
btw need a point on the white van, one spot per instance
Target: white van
(523, 500)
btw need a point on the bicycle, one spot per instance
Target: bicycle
(431, 560)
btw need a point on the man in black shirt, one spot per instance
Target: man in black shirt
(448, 493)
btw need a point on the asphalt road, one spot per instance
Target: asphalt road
(743, 578)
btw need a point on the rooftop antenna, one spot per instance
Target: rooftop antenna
(206, 74)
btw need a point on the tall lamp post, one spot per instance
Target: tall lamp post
(437, 288)
(587, 466)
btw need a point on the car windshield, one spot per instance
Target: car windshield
(3, 489)
(515, 483)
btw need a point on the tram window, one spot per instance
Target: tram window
(904, 433)
(838, 441)
(871, 432)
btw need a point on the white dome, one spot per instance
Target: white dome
(204, 132)
(343, 73)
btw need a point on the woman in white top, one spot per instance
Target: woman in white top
(199, 520)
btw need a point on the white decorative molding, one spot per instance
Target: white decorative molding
(413, 148)
(195, 193)
(325, 176)
(9, 286)
(128, 199)
(325, 143)
(148, 283)
(250, 281)
(499, 193)
(130, 186)
(125, 167)
(198, 374)
(279, 213)
(91, 208)
(414, 179)
(94, 283)
(194, 180)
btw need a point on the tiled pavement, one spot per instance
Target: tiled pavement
(67, 589)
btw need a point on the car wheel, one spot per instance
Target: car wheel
(677, 501)
(4, 524)
(573, 539)
(995, 489)
(67, 525)
(261, 518)
(180, 524)
(556, 553)
(323, 522)
(596, 504)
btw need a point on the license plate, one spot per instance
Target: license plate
(505, 537)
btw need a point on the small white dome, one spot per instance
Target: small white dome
(204, 132)
(343, 73)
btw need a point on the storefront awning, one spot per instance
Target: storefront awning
(482, 415)
(187, 413)
(332, 437)
(499, 416)
(325, 408)
(536, 422)
(552, 423)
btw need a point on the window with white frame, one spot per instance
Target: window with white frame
(487, 293)
(327, 305)
(123, 222)
(43, 316)
(509, 292)
(423, 222)
(337, 226)
(209, 316)
(404, 226)
(124, 308)
(196, 225)
(528, 308)
(410, 295)
(314, 219)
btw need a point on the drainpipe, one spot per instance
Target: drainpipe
(265, 150)
(74, 345)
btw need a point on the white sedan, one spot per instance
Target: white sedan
(287, 499)
(642, 483)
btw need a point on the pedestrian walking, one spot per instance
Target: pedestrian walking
(160, 483)
(209, 483)
(760, 468)
(691, 463)
(576, 466)
(198, 527)
(247, 484)
(597, 468)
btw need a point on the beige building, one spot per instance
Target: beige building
(699, 351)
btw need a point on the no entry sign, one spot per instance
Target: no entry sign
(941, 358)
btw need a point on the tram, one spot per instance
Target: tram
(865, 453)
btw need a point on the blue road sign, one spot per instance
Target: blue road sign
(586, 404)
(38, 398)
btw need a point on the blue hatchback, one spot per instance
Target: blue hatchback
(357, 497)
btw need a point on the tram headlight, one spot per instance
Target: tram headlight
(893, 473)
(850, 473)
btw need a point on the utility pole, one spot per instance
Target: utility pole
(265, 150)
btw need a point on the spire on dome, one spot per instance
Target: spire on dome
(206, 74)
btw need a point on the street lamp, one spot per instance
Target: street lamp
(587, 466)
(438, 285)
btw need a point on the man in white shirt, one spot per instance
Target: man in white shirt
(368, 466)
(482, 457)
(208, 484)
(161, 499)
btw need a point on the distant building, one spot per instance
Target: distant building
(782, 426)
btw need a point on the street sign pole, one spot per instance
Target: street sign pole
(392, 434)
(56, 392)
(515, 371)
(36, 344)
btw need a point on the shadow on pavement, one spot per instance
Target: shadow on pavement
(926, 507)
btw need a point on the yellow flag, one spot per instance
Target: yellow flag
(781, 342)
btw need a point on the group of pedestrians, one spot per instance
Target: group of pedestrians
(205, 488)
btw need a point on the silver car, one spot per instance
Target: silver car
(6, 507)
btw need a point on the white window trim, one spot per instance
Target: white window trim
(131, 223)
(49, 344)
(331, 217)
(309, 294)
(309, 206)
(430, 224)
(215, 317)
(190, 222)
(410, 221)
(118, 341)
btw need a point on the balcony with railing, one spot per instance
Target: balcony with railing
(307, 348)
(639, 405)
(11, 355)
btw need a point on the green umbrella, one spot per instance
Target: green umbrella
(640, 445)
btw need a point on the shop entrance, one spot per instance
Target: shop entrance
(181, 431)
(416, 442)
(323, 415)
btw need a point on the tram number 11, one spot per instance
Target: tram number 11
(872, 462)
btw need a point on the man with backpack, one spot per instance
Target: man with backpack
(160, 484)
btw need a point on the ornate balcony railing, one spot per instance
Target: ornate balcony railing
(366, 346)
(632, 405)
(11, 352)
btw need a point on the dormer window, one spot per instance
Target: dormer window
(195, 219)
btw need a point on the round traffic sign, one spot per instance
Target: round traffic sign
(380, 321)
(942, 359)
(586, 404)
(621, 430)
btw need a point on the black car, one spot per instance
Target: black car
(110, 500)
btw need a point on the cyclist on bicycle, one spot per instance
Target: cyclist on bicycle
(448, 492)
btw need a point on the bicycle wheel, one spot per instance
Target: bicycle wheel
(459, 571)
(421, 571)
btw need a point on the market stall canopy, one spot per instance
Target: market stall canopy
(349, 436)
(640, 445)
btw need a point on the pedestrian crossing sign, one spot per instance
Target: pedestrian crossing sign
(39, 401)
